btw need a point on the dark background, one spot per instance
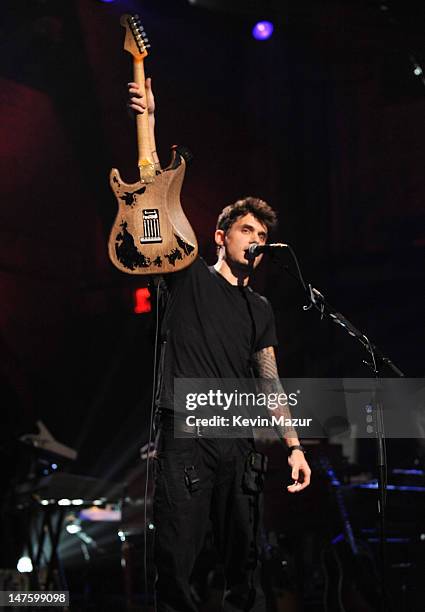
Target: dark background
(325, 121)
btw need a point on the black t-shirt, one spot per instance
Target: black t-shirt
(211, 328)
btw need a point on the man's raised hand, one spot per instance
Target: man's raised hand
(137, 101)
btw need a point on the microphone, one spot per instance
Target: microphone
(255, 249)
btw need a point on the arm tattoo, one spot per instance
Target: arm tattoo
(265, 363)
(265, 369)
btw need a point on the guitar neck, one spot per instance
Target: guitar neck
(144, 146)
(339, 496)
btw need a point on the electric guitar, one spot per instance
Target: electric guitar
(351, 580)
(151, 234)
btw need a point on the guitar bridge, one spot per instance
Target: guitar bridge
(151, 229)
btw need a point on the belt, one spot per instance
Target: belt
(181, 426)
(199, 431)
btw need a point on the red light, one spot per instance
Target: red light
(142, 300)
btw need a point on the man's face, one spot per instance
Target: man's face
(245, 230)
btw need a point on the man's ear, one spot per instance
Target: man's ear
(219, 237)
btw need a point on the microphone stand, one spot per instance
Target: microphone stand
(316, 300)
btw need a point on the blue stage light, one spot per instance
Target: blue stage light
(262, 30)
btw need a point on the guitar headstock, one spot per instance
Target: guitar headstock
(136, 41)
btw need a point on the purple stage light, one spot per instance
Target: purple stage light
(262, 30)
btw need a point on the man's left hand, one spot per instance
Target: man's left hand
(300, 471)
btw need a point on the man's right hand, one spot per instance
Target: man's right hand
(137, 101)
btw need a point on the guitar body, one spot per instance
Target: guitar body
(151, 234)
(351, 583)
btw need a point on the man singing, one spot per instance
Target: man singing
(214, 326)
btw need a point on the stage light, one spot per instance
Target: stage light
(417, 68)
(24, 565)
(73, 528)
(142, 300)
(262, 30)
(64, 502)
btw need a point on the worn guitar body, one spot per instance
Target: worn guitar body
(151, 234)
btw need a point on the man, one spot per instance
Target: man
(215, 327)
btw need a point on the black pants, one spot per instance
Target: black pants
(198, 479)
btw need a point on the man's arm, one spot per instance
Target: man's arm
(265, 368)
(139, 105)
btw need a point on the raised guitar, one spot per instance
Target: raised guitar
(151, 234)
